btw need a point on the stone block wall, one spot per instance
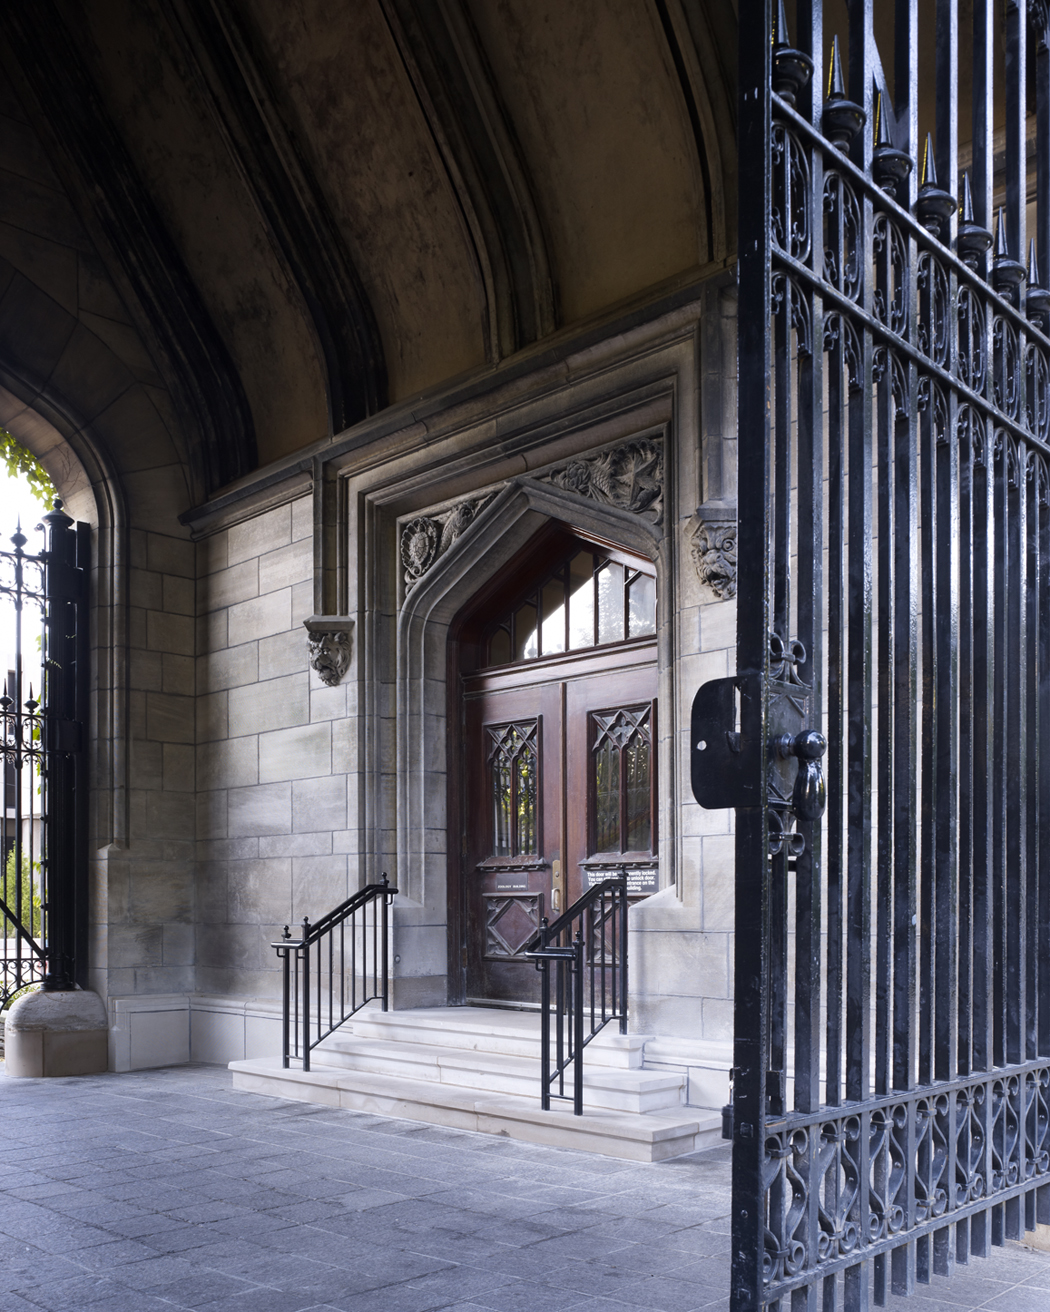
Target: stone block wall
(299, 785)
(272, 744)
(144, 886)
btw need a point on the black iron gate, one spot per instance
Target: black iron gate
(43, 828)
(891, 1090)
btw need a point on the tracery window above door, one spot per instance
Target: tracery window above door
(590, 599)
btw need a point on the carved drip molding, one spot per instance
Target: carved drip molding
(328, 638)
(713, 547)
(629, 477)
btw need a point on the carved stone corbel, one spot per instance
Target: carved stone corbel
(328, 637)
(712, 545)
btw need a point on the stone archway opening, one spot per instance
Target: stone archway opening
(428, 917)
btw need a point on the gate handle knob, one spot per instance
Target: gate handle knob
(809, 796)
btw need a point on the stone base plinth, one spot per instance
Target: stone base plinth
(52, 1034)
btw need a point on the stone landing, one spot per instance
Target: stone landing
(477, 1068)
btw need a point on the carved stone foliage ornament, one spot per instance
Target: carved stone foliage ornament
(328, 637)
(713, 548)
(425, 539)
(629, 477)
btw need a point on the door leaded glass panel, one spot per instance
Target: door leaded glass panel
(622, 781)
(514, 767)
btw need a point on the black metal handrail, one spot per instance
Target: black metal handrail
(590, 977)
(350, 967)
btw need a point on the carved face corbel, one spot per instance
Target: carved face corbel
(328, 637)
(713, 548)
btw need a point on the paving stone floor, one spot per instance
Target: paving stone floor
(167, 1189)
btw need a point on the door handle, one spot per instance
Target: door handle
(809, 795)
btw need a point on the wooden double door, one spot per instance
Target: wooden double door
(559, 791)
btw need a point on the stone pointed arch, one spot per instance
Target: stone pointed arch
(496, 535)
(46, 424)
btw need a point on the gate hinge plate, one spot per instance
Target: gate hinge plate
(64, 736)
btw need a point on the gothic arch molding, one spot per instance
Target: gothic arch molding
(46, 424)
(500, 532)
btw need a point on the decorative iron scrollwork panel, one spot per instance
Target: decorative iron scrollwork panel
(1006, 376)
(933, 335)
(790, 208)
(890, 299)
(972, 348)
(925, 1156)
(843, 266)
(1037, 391)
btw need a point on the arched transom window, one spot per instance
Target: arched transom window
(591, 599)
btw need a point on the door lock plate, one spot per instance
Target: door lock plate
(723, 762)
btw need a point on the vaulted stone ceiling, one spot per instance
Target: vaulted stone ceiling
(307, 212)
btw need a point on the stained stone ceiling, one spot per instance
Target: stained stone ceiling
(298, 214)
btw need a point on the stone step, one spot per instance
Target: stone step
(653, 1137)
(490, 1029)
(638, 1091)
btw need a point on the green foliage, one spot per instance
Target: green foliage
(29, 911)
(23, 464)
(19, 993)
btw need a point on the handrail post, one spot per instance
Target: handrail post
(287, 1003)
(383, 897)
(577, 967)
(306, 993)
(621, 897)
(545, 1035)
(291, 953)
(544, 967)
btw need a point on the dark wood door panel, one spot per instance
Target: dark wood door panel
(507, 891)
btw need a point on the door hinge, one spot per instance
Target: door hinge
(64, 736)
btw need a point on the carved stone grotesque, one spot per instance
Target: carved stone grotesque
(328, 637)
(713, 548)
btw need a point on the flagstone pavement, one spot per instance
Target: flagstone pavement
(167, 1189)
